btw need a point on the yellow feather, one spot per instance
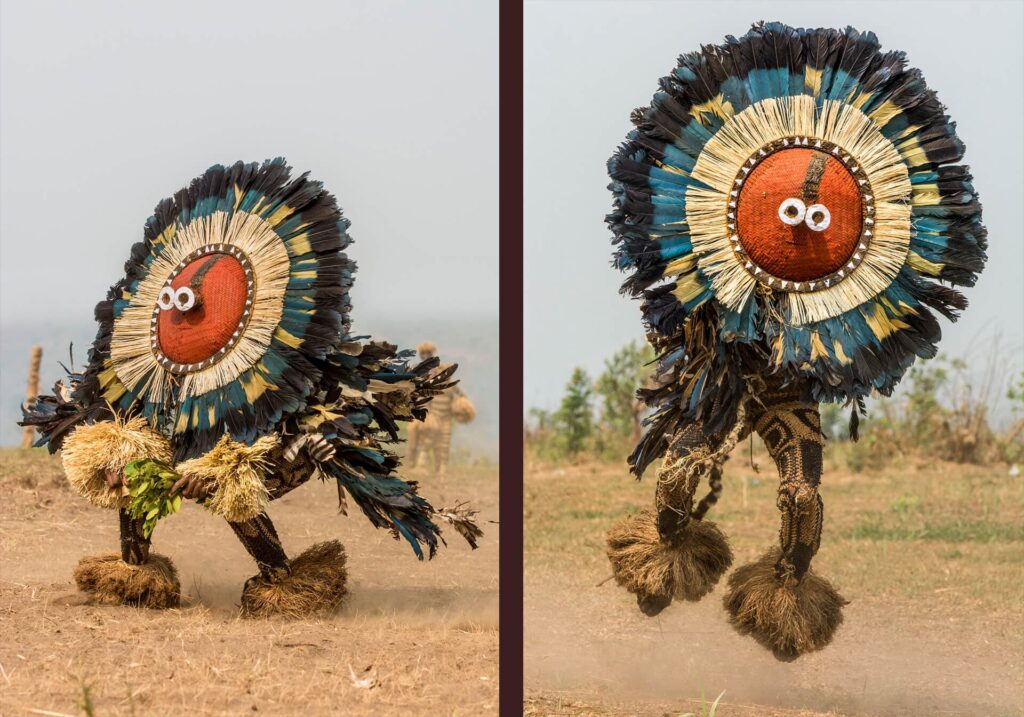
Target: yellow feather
(299, 245)
(925, 195)
(113, 393)
(860, 100)
(286, 338)
(672, 169)
(919, 263)
(280, 214)
(715, 107)
(687, 288)
(812, 80)
(167, 234)
(254, 385)
(911, 151)
(181, 425)
(882, 114)
(817, 347)
(682, 265)
(907, 309)
(881, 325)
(842, 357)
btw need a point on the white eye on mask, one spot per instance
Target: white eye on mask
(184, 299)
(166, 299)
(818, 217)
(792, 211)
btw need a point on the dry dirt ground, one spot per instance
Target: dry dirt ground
(931, 557)
(426, 634)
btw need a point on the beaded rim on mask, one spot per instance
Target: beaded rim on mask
(859, 175)
(241, 258)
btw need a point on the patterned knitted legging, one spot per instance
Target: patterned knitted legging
(791, 430)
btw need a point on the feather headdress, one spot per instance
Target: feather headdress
(232, 324)
(237, 293)
(790, 200)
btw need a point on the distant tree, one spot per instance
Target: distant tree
(624, 373)
(541, 419)
(574, 419)
(537, 428)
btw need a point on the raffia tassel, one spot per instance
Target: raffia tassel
(316, 585)
(96, 448)
(130, 346)
(239, 471)
(707, 207)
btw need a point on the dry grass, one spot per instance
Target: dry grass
(938, 526)
(412, 638)
(931, 556)
(538, 706)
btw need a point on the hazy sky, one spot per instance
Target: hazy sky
(588, 64)
(107, 107)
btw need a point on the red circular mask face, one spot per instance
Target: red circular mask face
(812, 189)
(219, 287)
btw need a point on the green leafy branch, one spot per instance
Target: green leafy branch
(149, 484)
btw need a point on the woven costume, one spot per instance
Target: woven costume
(430, 441)
(786, 208)
(225, 351)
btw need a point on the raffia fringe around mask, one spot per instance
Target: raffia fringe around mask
(726, 153)
(687, 569)
(131, 350)
(109, 445)
(789, 619)
(316, 585)
(110, 581)
(239, 471)
(463, 410)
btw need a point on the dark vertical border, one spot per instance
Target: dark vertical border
(510, 256)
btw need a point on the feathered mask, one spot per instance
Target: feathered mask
(237, 292)
(805, 186)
